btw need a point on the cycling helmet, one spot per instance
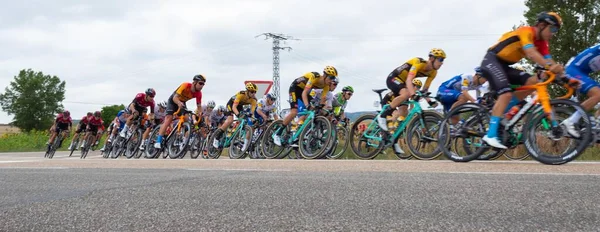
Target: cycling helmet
(89, 114)
(211, 104)
(199, 77)
(551, 18)
(162, 105)
(331, 71)
(97, 114)
(150, 92)
(478, 70)
(348, 89)
(417, 82)
(67, 113)
(437, 52)
(271, 96)
(313, 93)
(222, 108)
(251, 87)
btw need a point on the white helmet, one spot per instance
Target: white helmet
(211, 104)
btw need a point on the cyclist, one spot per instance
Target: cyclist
(135, 108)
(80, 127)
(400, 82)
(63, 123)
(395, 119)
(340, 101)
(455, 91)
(159, 117)
(94, 124)
(182, 94)
(580, 67)
(234, 107)
(301, 88)
(117, 125)
(315, 94)
(266, 108)
(525, 41)
(217, 117)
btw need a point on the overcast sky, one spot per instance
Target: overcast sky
(108, 51)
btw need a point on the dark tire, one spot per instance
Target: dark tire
(317, 134)
(476, 122)
(415, 130)
(236, 150)
(371, 134)
(269, 149)
(576, 146)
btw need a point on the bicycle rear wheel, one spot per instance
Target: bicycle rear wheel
(420, 134)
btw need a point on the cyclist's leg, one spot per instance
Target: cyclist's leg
(171, 108)
(401, 93)
(496, 72)
(588, 87)
(295, 95)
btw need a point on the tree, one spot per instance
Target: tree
(110, 112)
(34, 99)
(580, 29)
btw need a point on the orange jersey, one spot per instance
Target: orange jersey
(185, 93)
(510, 48)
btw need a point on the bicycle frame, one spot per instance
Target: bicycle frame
(415, 110)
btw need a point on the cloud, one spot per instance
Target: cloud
(107, 51)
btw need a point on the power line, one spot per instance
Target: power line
(276, 38)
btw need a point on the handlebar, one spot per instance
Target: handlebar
(551, 78)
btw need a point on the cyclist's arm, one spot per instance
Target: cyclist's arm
(236, 102)
(177, 101)
(252, 105)
(430, 78)
(324, 95)
(411, 75)
(305, 95)
(199, 112)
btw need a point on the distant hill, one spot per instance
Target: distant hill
(354, 115)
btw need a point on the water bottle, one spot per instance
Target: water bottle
(514, 110)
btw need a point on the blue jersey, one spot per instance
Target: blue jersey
(587, 61)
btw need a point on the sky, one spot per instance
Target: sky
(108, 51)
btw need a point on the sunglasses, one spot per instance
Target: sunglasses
(554, 29)
(201, 83)
(441, 59)
(349, 94)
(334, 83)
(251, 91)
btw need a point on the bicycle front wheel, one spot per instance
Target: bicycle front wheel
(552, 144)
(421, 136)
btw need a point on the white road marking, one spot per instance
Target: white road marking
(520, 173)
(238, 169)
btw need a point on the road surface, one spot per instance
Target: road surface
(70, 194)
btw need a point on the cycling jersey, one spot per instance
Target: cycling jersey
(582, 65)
(205, 111)
(460, 83)
(510, 48)
(415, 66)
(185, 93)
(216, 118)
(141, 102)
(339, 101)
(61, 119)
(264, 107)
(94, 124)
(318, 96)
(84, 120)
(159, 116)
(241, 98)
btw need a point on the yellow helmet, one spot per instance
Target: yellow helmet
(313, 93)
(417, 82)
(330, 70)
(251, 87)
(437, 52)
(551, 18)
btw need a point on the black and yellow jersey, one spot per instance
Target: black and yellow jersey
(415, 65)
(241, 98)
(312, 80)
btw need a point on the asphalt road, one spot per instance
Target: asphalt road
(69, 194)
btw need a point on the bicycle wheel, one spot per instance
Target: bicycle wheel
(567, 147)
(178, 144)
(54, 145)
(197, 145)
(315, 137)
(133, 145)
(468, 133)
(88, 144)
(236, 149)
(213, 152)
(365, 132)
(421, 136)
(340, 143)
(74, 144)
(150, 152)
(269, 149)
